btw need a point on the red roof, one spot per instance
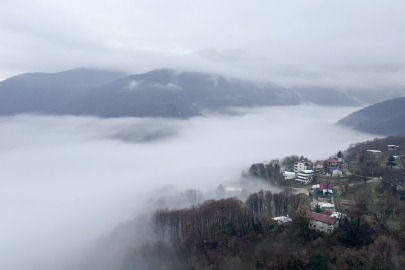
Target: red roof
(323, 186)
(348, 202)
(332, 160)
(323, 218)
(327, 212)
(318, 162)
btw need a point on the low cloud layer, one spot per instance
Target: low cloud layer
(68, 180)
(341, 44)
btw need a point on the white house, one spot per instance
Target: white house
(299, 166)
(392, 147)
(288, 175)
(323, 223)
(282, 219)
(397, 157)
(374, 153)
(232, 189)
(305, 176)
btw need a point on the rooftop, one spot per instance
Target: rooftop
(301, 162)
(307, 171)
(332, 160)
(392, 145)
(323, 186)
(374, 151)
(323, 218)
(348, 202)
(318, 163)
(288, 172)
(282, 219)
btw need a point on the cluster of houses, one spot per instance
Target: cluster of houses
(376, 154)
(321, 221)
(303, 174)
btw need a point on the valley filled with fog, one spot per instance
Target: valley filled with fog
(67, 180)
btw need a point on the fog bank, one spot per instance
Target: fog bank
(68, 180)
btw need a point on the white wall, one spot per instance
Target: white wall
(323, 227)
(299, 167)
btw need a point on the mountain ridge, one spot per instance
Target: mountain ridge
(157, 93)
(384, 118)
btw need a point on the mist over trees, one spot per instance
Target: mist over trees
(239, 233)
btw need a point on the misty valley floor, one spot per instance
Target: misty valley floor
(75, 178)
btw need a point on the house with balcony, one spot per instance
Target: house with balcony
(332, 163)
(305, 176)
(318, 166)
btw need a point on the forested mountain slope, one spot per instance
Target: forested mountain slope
(44, 92)
(158, 93)
(385, 118)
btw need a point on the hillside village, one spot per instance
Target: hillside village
(326, 176)
(320, 179)
(344, 212)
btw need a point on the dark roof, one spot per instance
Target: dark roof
(323, 186)
(348, 202)
(301, 162)
(323, 218)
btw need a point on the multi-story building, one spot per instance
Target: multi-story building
(299, 166)
(305, 176)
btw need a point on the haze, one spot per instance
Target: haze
(325, 43)
(68, 180)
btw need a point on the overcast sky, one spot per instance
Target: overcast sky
(340, 43)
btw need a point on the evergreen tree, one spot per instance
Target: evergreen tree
(339, 154)
(391, 162)
(318, 209)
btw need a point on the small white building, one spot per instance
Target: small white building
(282, 219)
(288, 175)
(338, 215)
(337, 173)
(323, 223)
(305, 176)
(397, 157)
(300, 166)
(324, 205)
(232, 189)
